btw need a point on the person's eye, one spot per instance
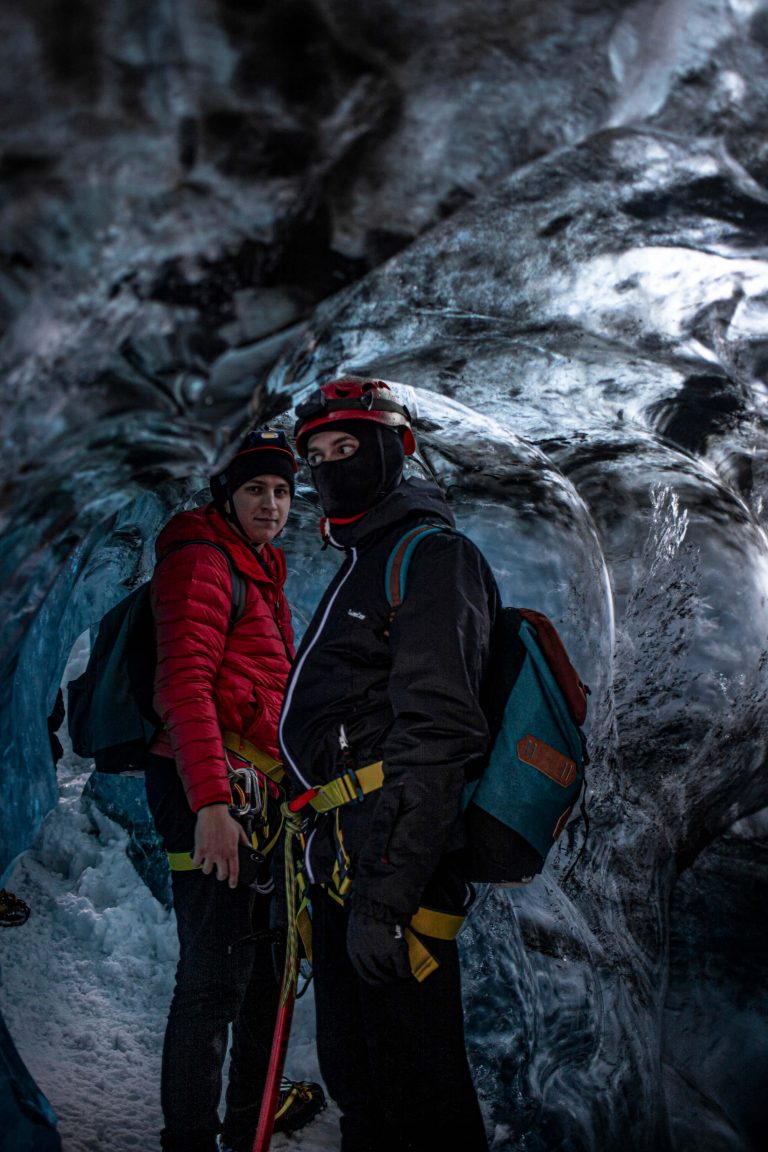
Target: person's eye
(314, 458)
(346, 449)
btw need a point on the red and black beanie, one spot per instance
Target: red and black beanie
(262, 453)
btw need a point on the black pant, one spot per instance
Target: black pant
(393, 1058)
(224, 977)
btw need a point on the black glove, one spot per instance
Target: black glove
(378, 950)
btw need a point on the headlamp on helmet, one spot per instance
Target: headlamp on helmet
(263, 452)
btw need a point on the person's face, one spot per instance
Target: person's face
(262, 506)
(329, 445)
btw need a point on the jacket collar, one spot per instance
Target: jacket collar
(207, 523)
(409, 497)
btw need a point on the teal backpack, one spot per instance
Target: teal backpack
(535, 703)
(110, 717)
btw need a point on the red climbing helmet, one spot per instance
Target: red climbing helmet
(352, 398)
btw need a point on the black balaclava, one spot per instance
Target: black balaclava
(349, 487)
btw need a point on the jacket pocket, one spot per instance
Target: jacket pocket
(254, 713)
(376, 850)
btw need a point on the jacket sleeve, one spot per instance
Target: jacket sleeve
(439, 644)
(191, 603)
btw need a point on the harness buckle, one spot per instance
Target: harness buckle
(349, 776)
(341, 876)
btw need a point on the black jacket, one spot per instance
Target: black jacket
(405, 692)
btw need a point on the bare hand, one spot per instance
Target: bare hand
(217, 835)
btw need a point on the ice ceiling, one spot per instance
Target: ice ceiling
(549, 220)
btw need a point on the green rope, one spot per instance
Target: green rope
(291, 968)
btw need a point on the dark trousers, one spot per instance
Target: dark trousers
(224, 977)
(393, 1058)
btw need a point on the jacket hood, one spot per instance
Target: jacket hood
(207, 523)
(412, 496)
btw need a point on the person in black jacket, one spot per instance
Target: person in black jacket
(381, 726)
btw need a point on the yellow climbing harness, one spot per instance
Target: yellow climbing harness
(253, 755)
(249, 782)
(350, 786)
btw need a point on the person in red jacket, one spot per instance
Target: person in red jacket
(221, 672)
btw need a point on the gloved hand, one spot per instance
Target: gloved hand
(378, 950)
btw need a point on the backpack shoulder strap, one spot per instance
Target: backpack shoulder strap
(396, 571)
(238, 583)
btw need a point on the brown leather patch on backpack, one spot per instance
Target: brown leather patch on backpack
(548, 760)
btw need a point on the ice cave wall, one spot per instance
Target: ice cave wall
(554, 215)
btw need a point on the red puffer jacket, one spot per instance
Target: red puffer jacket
(209, 679)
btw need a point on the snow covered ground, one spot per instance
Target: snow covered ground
(86, 983)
